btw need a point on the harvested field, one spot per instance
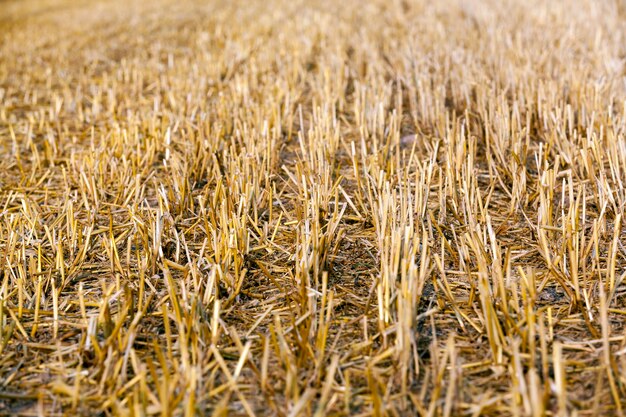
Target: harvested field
(294, 208)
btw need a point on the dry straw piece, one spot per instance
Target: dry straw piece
(298, 208)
